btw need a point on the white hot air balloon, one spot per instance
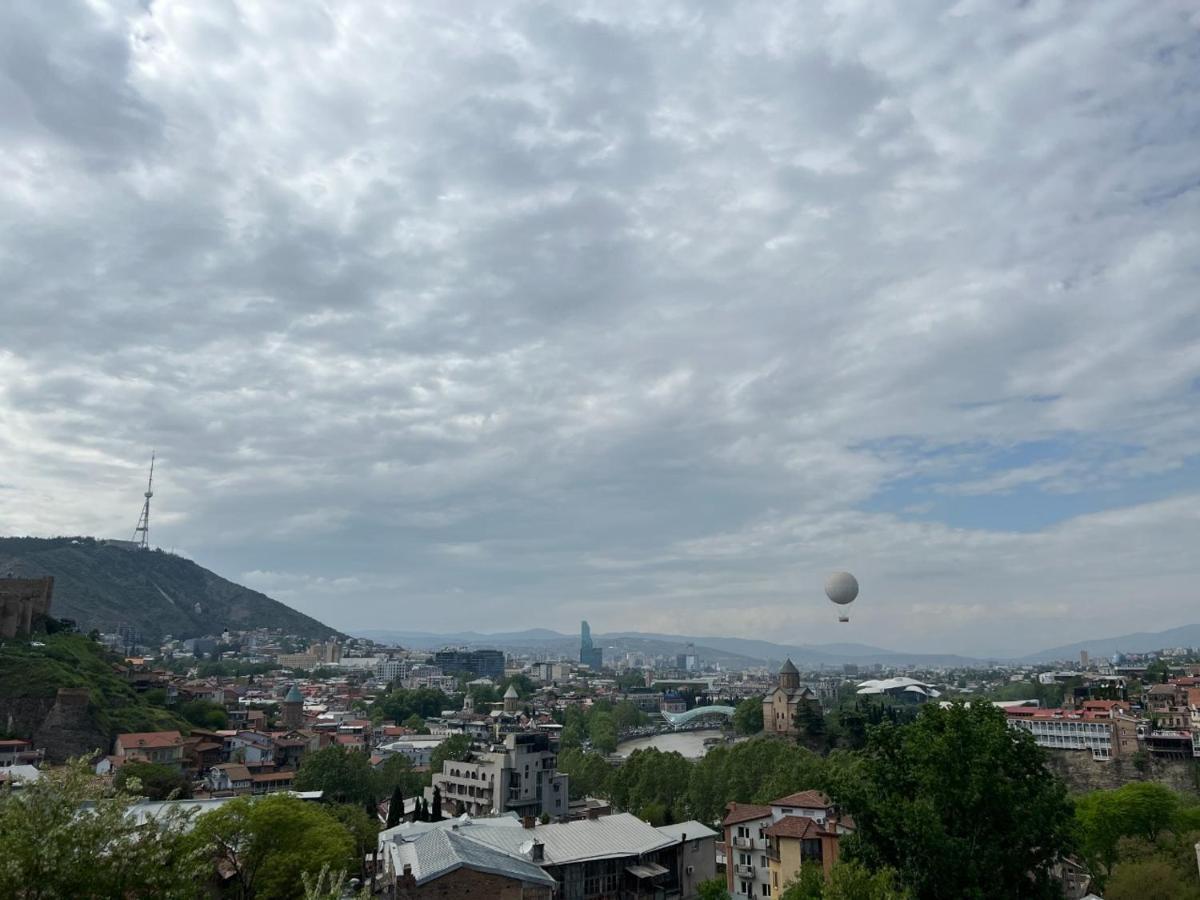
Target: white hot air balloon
(841, 588)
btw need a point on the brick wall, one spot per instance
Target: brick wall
(470, 883)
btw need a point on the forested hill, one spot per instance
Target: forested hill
(102, 585)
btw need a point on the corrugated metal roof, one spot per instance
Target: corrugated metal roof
(621, 834)
(691, 829)
(440, 851)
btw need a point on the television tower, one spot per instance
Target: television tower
(141, 534)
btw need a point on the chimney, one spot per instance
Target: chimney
(528, 821)
(407, 881)
(537, 852)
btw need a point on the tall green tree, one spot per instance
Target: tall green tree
(269, 843)
(457, 747)
(590, 773)
(1138, 809)
(153, 781)
(50, 849)
(345, 776)
(960, 804)
(748, 716)
(395, 808)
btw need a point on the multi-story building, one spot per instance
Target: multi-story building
(519, 775)
(766, 845)
(479, 663)
(589, 654)
(1103, 728)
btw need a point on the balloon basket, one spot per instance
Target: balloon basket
(843, 618)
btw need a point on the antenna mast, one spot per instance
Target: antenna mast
(141, 534)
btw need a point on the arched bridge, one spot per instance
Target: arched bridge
(675, 720)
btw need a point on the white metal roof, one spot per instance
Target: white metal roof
(441, 850)
(621, 834)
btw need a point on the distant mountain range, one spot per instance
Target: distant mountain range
(1137, 642)
(103, 584)
(733, 651)
(727, 651)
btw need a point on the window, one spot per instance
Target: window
(762, 861)
(766, 890)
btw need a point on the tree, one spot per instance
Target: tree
(204, 714)
(748, 716)
(602, 731)
(269, 843)
(590, 773)
(455, 748)
(849, 880)
(626, 716)
(810, 723)
(153, 781)
(51, 849)
(345, 776)
(1138, 809)
(436, 814)
(959, 803)
(363, 829)
(415, 722)
(1154, 879)
(401, 704)
(397, 771)
(712, 889)
(395, 808)
(650, 778)
(809, 886)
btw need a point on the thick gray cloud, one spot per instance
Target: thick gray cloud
(652, 313)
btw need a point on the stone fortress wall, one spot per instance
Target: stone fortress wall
(22, 601)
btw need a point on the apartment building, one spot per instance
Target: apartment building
(518, 775)
(1102, 728)
(766, 845)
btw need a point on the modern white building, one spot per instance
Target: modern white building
(519, 775)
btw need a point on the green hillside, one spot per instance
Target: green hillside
(35, 673)
(101, 586)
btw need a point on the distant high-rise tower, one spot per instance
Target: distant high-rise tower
(141, 534)
(589, 654)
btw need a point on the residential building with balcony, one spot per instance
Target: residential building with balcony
(762, 855)
(518, 775)
(1105, 733)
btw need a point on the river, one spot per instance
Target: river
(686, 743)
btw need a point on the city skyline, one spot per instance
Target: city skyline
(642, 314)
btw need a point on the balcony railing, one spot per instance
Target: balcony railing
(744, 842)
(744, 871)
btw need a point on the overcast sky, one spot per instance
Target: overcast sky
(494, 315)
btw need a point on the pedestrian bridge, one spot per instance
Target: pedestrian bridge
(676, 720)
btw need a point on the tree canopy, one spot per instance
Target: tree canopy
(52, 850)
(153, 781)
(269, 843)
(959, 803)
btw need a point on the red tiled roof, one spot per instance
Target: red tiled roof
(796, 827)
(150, 739)
(745, 812)
(807, 799)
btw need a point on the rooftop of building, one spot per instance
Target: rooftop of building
(440, 851)
(745, 812)
(804, 800)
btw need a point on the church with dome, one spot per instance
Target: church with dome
(781, 705)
